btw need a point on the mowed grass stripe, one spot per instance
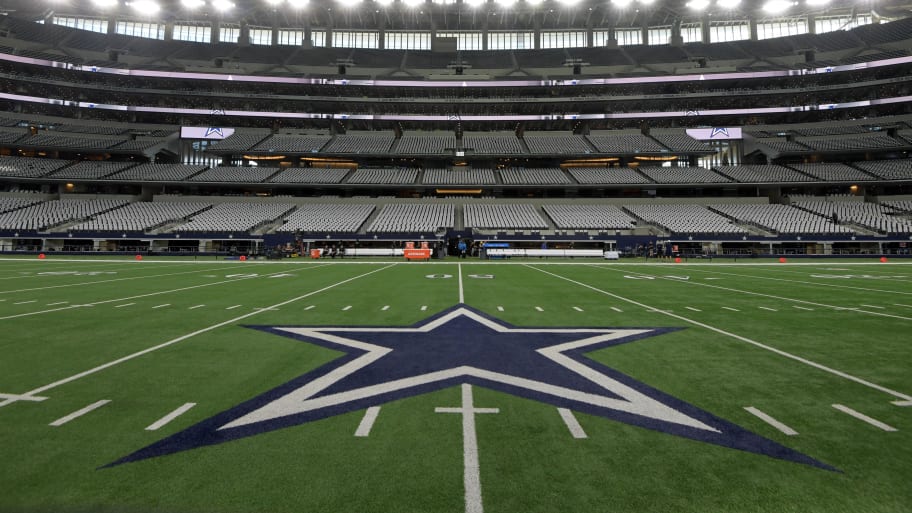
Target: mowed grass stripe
(83, 278)
(786, 279)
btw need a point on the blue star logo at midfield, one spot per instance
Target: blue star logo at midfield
(214, 130)
(718, 131)
(464, 346)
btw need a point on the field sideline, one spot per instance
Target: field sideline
(183, 386)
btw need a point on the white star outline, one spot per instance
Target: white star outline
(302, 399)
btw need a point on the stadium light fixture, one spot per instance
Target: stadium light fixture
(777, 6)
(647, 2)
(298, 4)
(222, 5)
(505, 3)
(192, 4)
(147, 7)
(474, 3)
(104, 4)
(412, 3)
(728, 4)
(274, 3)
(621, 3)
(698, 5)
(535, 2)
(817, 3)
(348, 4)
(384, 3)
(568, 3)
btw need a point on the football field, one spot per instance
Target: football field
(192, 386)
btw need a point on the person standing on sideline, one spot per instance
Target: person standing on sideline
(461, 246)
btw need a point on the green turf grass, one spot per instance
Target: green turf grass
(412, 460)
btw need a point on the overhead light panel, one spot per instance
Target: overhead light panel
(298, 4)
(728, 4)
(222, 5)
(777, 6)
(698, 5)
(817, 3)
(505, 3)
(474, 3)
(148, 7)
(192, 4)
(348, 3)
(621, 3)
(412, 3)
(104, 3)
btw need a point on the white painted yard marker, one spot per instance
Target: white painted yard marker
(367, 422)
(346, 308)
(905, 306)
(79, 413)
(803, 308)
(472, 473)
(862, 417)
(616, 309)
(461, 290)
(540, 309)
(572, 424)
(233, 307)
(767, 309)
(874, 306)
(385, 307)
(771, 421)
(693, 309)
(500, 309)
(311, 307)
(26, 302)
(195, 307)
(161, 306)
(125, 304)
(423, 307)
(897, 403)
(730, 309)
(22, 397)
(52, 304)
(578, 309)
(171, 416)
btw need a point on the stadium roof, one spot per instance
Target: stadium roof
(460, 14)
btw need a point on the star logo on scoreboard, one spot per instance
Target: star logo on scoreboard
(458, 346)
(721, 131)
(214, 131)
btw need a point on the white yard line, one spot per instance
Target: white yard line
(423, 308)
(746, 340)
(472, 472)
(161, 306)
(576, 430)
(767, 309)
(875, 307)
(771, 296)
(500, 309)
(195, 307)
(461, 290)
(171, 416)
(862, 417)
(385, 308)
(578, 309)
(78, 413)
(104, 281)
(813, 283)
(367, 422)
(539, 309)
(138, 296)
(692, 309)
(181, 338)
(346, 308)
(771, 421)
(232, 307)
(616, 309)
(730, 309)
(311, 307)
